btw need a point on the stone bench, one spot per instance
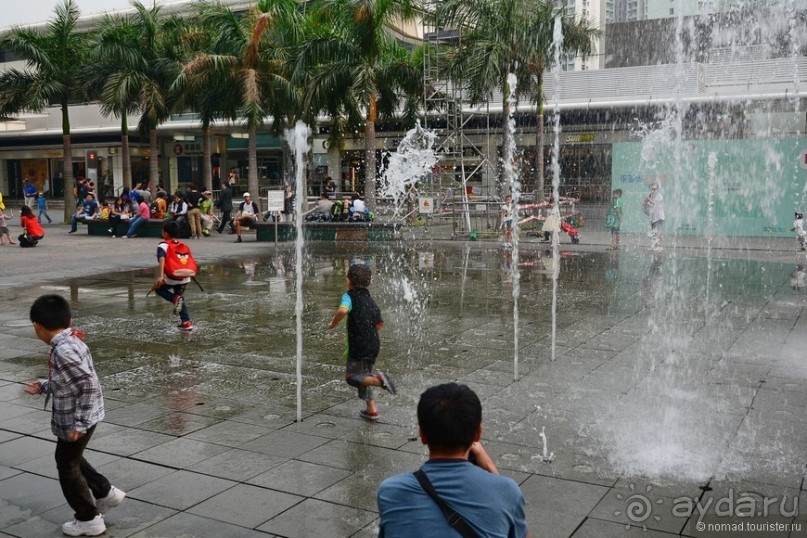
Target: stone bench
(328, 231)
(150, 228)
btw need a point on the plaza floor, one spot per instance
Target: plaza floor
(672, 384)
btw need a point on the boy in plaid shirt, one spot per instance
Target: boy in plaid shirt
(78, 405)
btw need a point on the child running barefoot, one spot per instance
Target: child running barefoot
(4, 229)
(363, 322)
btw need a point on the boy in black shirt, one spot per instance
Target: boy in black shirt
(363, 322)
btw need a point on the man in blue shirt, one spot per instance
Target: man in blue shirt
(88, 209)
(30, 191)
(450, 424)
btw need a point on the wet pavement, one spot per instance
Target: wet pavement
(678, 383)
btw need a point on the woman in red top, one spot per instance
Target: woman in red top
(33, 232)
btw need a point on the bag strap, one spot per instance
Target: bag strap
(454, 519)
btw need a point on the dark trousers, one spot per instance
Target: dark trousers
(27, 241)
(168, 292)
(225, 218)
(79, 481)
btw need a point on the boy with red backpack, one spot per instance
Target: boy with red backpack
(176, 268)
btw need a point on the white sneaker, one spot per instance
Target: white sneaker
(94, 527)
(113, 499)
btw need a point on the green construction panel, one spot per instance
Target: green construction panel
(752, 186)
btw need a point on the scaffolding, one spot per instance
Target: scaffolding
(462, 147)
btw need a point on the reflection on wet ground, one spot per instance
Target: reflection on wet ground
(673, 373)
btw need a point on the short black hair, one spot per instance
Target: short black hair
(449, 415)
(52, 312)
(359, 275)
(618, 191)
(171, 228)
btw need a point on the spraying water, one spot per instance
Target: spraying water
(412, 161)
(298, 140)
(515, 191)
(557, 44)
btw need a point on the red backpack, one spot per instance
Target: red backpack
(179, 262)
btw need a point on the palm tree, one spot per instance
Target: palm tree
(244, 64)
(114, 79)
(55, 58)
(353, 64)
(152, 57)
(499, 37)
(578, 39)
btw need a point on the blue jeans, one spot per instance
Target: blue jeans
(168, 292)
(134, 224)
(44, 212)
(74, 221)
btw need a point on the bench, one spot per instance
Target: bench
(328, 231)
(150, 228)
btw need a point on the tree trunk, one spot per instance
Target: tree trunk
(539, 142)
(252, 183)
(67, 173)
(207, 166)
(369, 155)
(126, 155)
(154, 157)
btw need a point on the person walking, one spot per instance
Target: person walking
(42, 203)
(225, 205)
(78, 407)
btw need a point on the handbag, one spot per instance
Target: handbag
(454, 519)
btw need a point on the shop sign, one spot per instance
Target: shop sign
(54, 154)
(581, 137)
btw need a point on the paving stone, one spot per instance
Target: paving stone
(236, 464)
(284, 443)
(559, 506)
(193, 526)
(229, 433)
(129, 441)
(300, 478)
(127, 474)
(23, 496)
(22, 449)
(317, 518)
(181, 453)
(180, 490)
(245, 505)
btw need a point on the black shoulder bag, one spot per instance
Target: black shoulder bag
(454, 519)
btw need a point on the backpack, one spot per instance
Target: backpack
(179, 262)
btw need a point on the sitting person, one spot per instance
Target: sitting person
(322, 211)
(105, 212)
(206, 212)
(88, 209)
(246, 216)
(120, 212)
(459, 472)
(32, 230)
(140, 216)
(178, 209)
(159, 207)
